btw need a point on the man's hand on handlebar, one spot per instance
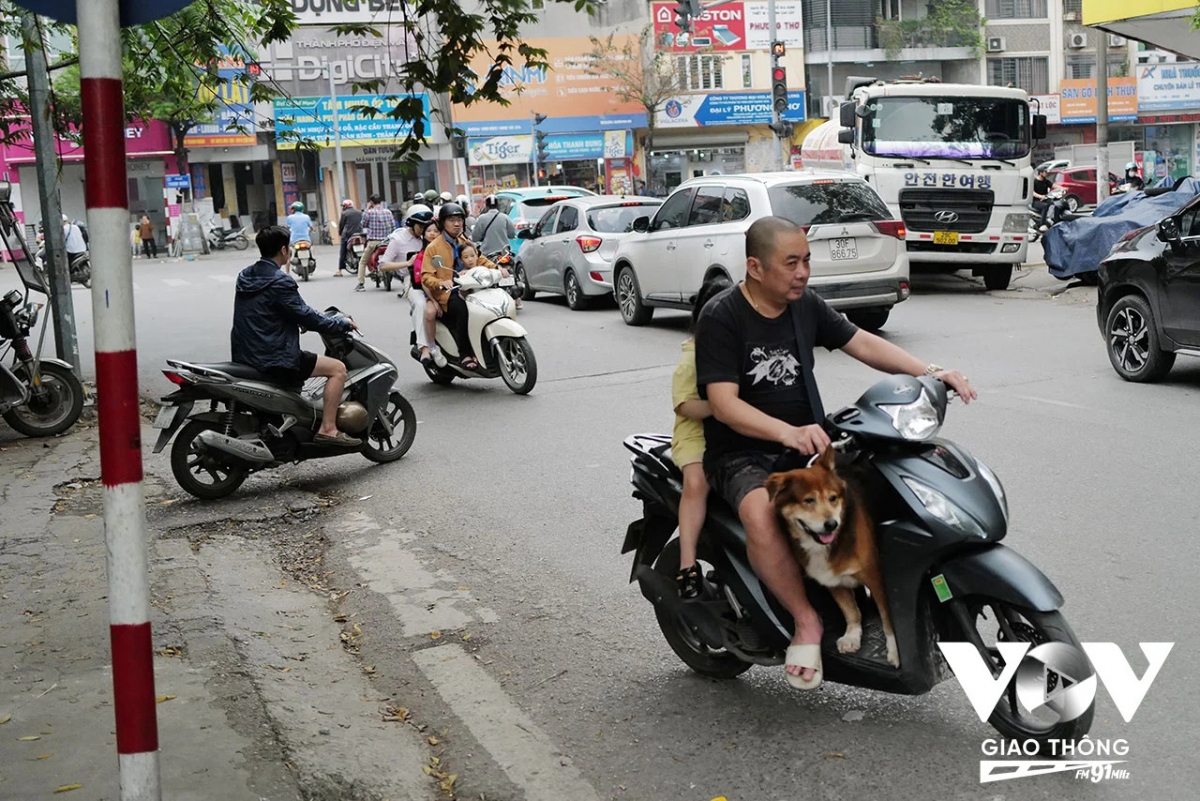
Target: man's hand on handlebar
(808, 440)
(959, 383)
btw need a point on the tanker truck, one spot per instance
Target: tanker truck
(952, 161)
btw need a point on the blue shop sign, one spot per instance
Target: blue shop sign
(553, 125)
(312, 117)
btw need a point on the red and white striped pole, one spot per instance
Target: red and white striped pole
(117, 397)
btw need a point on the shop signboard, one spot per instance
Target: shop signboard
(614, 145)
(301, 65)
(572, 98)
(1047, 105)
(1079, 100)
(731, 27)
(726, 108)
(338, 12)
(1168, 87)
(312, 118)
(177, 181)
(518, 149)
(234, 124)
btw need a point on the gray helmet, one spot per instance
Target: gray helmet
(448, 210)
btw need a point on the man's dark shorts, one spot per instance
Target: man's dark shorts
(293, 376)
(733, 476)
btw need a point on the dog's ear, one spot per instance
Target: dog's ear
(826, 459)
(775, 484)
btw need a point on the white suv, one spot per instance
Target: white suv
(859, 261)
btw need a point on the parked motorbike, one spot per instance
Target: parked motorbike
(221, 238)
(251, 424)
(501, 344)
(355, 245)
(940, 513)
(303, 260)
(1059, 211)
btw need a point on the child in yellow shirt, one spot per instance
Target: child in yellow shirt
(687, 451)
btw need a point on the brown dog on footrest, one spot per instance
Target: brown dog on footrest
(834, 541)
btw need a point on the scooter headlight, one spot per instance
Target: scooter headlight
(917, 420)
(945, 509)
(986, 473)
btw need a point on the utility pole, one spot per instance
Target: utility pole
(339, 173)
(66, 343)
(828, 53)
(1101, 115)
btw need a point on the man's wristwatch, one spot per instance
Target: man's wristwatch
(933, 369)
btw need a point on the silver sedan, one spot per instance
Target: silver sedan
(570, 250)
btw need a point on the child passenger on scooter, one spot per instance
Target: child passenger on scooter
(428, 311)
(687, 451)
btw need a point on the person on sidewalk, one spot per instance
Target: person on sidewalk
(146, 233)
(378, 222)
(268, 313)
(349, 225)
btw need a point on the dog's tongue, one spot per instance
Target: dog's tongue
(826, 537)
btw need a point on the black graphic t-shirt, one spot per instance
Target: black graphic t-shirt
(737, 345)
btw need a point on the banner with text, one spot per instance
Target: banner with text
(234, 123)
(567, 147)
(1079, 100)
(1168, 87)
(732, 26)
(726, 108)
(312, 118)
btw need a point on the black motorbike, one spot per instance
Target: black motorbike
(39, 396)
(1057, 211)
(940, 515)
(250, 424)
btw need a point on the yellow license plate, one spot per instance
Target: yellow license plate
(945, 237)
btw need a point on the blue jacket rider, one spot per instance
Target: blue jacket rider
(267, 315)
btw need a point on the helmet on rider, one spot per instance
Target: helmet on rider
(463, 201)
(449, 210)
(297, 206)
(419, 214)
(1131, 166)
(347, 203)
(491, 202)
(431, 196)
(447, 197)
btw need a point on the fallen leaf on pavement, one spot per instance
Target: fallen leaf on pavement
(28, 739)
(369, 669)
(66, 788)
(171, 651)
(5, 719)
(435, 635)
(835, 756)
(432, 740)
(167, 502)
(466, 637)
(162, 698)
(366, 497)
(44, 756)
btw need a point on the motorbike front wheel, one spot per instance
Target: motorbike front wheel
(381, 447)
(997, 621)
(695, 654)
(202, 473)
(241, 242)
(53, 408)
(518, 367)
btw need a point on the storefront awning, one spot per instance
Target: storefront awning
(1164, 24)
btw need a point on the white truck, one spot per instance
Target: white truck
(952, 161)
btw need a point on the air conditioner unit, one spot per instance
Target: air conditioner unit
(1077, 41)
(995, 44)
(1070, 16)
(1116, 41)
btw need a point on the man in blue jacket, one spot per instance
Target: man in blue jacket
(267, 314)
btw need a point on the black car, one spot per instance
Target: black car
(1149, 296)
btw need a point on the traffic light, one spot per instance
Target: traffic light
(784, 129)
(685, 12)
(542, 153)
(778, 49)
(779, 89)
(538, 119)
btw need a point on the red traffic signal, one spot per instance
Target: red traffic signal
(779, 74)
(779, 89)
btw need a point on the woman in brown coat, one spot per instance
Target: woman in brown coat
(146, 233)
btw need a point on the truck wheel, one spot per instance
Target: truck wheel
(997, 277)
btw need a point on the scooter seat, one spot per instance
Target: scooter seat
(235, 369)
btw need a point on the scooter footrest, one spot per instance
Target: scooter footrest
(662, 591)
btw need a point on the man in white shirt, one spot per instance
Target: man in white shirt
(74, 236)
(403, 246)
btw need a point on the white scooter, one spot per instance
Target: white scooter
(501, 344)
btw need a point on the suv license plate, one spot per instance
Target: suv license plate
(843, 249)
(166, 416)
(945, 237)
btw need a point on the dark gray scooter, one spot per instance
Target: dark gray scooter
(940, 515)
(251, 424)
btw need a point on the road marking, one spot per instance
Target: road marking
(224, 279)
(1047, 401)
(519, 747)
(176, 282)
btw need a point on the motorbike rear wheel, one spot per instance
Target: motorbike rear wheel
(695, 654)
(52, 409)
(1010, 623)
(189, 463)
(381, 447)
(241, 242)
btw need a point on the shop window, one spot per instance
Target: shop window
(747, 71)
(707, 207)
(737, 206)
(1031, 73)
(673, 213)
(1015, 9)
(568, 219)
(1083, 66)
(697, 73)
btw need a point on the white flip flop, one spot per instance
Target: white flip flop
(805, 656)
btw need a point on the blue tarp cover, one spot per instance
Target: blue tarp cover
(1079, 246)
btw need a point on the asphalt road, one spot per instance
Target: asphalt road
(505, 521)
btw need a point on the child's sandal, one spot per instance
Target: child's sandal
(688, 579)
